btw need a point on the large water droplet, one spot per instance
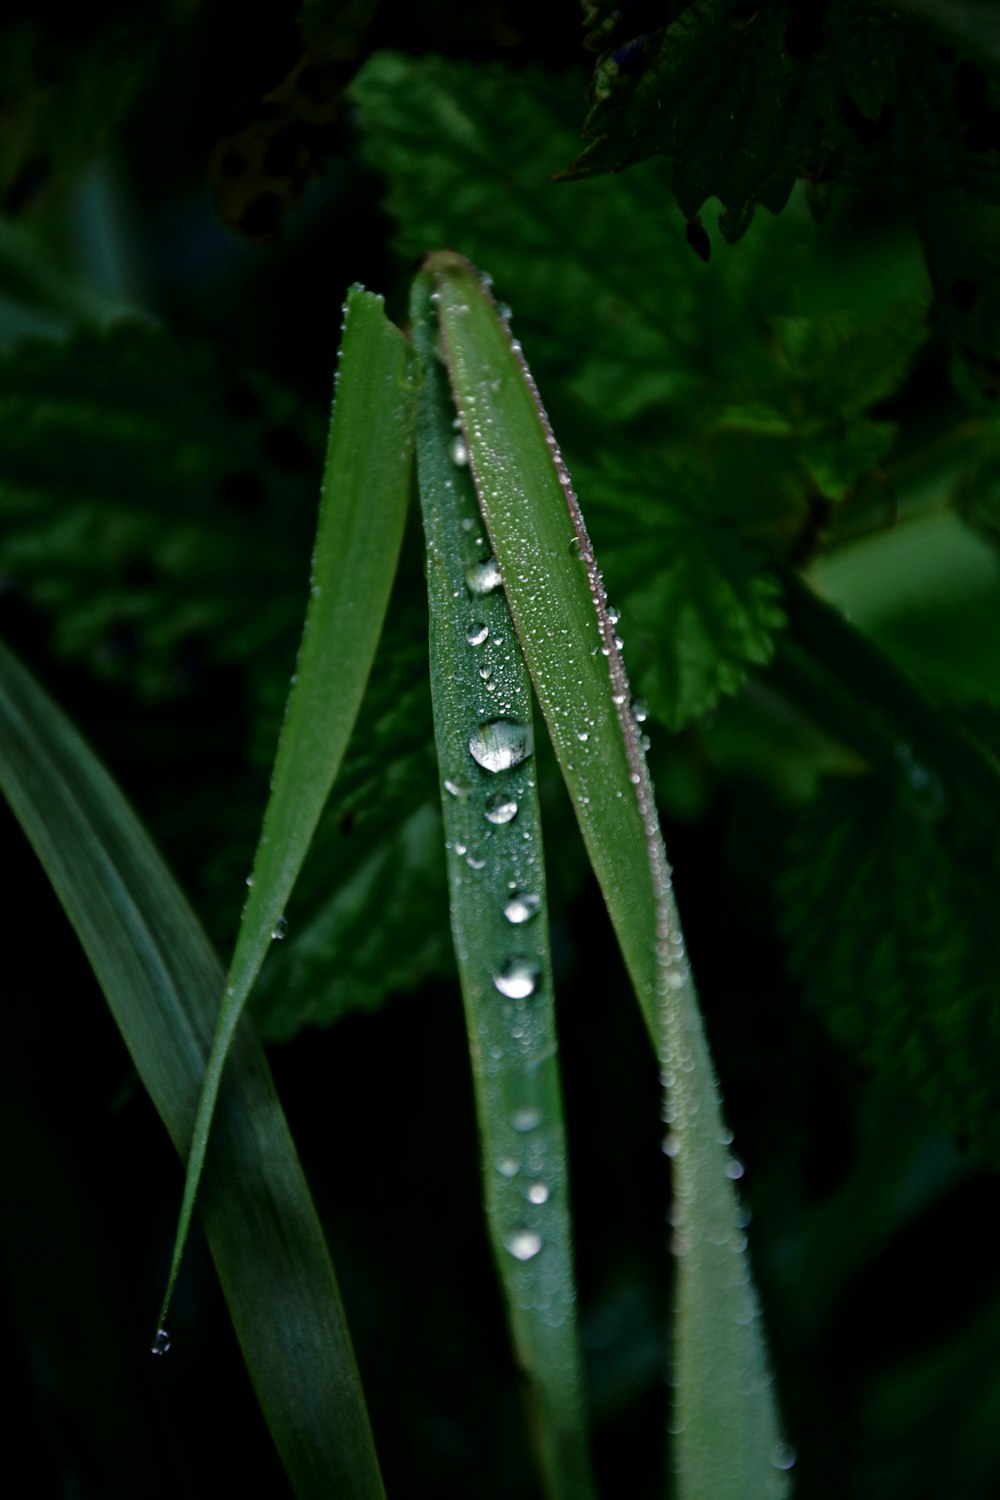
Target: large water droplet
(161, 1342)
(523, 1244)
(525, 1120)
(521, 907)
(477, 633)
(483, 577)
(500, 744)
(518, 979)
(279, 929)
(537, 1193)
(501, 809)
(784, 1456)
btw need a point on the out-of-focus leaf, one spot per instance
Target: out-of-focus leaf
(892, 927)
(63, 93)
(162, 982)
(468, 153)
(130, 468)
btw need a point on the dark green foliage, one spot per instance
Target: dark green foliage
(745, 99)
(892, 929)
(131, 467)
(812, 408)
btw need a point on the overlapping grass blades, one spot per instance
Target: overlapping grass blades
(360, 530)
(483, 730)
(162, 982)
(727, 1442)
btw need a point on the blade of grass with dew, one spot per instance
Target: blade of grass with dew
(727, 1440)
(162, 983)
(483, 730)
(358, 538)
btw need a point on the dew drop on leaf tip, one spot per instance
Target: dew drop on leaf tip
(161, 1342)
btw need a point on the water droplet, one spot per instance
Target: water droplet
(500, 744)
(456, 788)
(613, 614)
(670, 1145)
(521, 907)
(501, 809)
(640, 712)
(507, 1166)
(583, 736)
(784, 1456)
(475, 861)
(735, 1169)
(249, 880)
(525, 1120)
(486, 673)
(279, 929)
(161, 1342)
(523, 1244)
(538, 1193)
(484, 577)
(477, 633)
(459, 453)
(518, 979)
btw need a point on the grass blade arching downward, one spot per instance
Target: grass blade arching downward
(483, 729)
(360, 530)
(727, 1442)
(162, 981)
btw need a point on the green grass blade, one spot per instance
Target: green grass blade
(360, 530)
(162, 983)
(483, 729)
(727, 1437)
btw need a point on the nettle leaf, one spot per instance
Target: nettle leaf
(147, 503)
(742, 98)
(892, 927)
(604, 295)
(699, 606)
(829, 370)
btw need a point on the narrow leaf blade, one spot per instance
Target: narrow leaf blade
(360, 530)
(483, 730)
(162, 982)
(727, 1432)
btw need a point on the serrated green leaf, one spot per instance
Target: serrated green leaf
(891, 925)
(162, 982)
(698, 606)
(742, 99)
(469, 152)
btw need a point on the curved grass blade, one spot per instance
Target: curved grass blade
(162, 982)
(359, 534)
(483, 729)
(727, 1436)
